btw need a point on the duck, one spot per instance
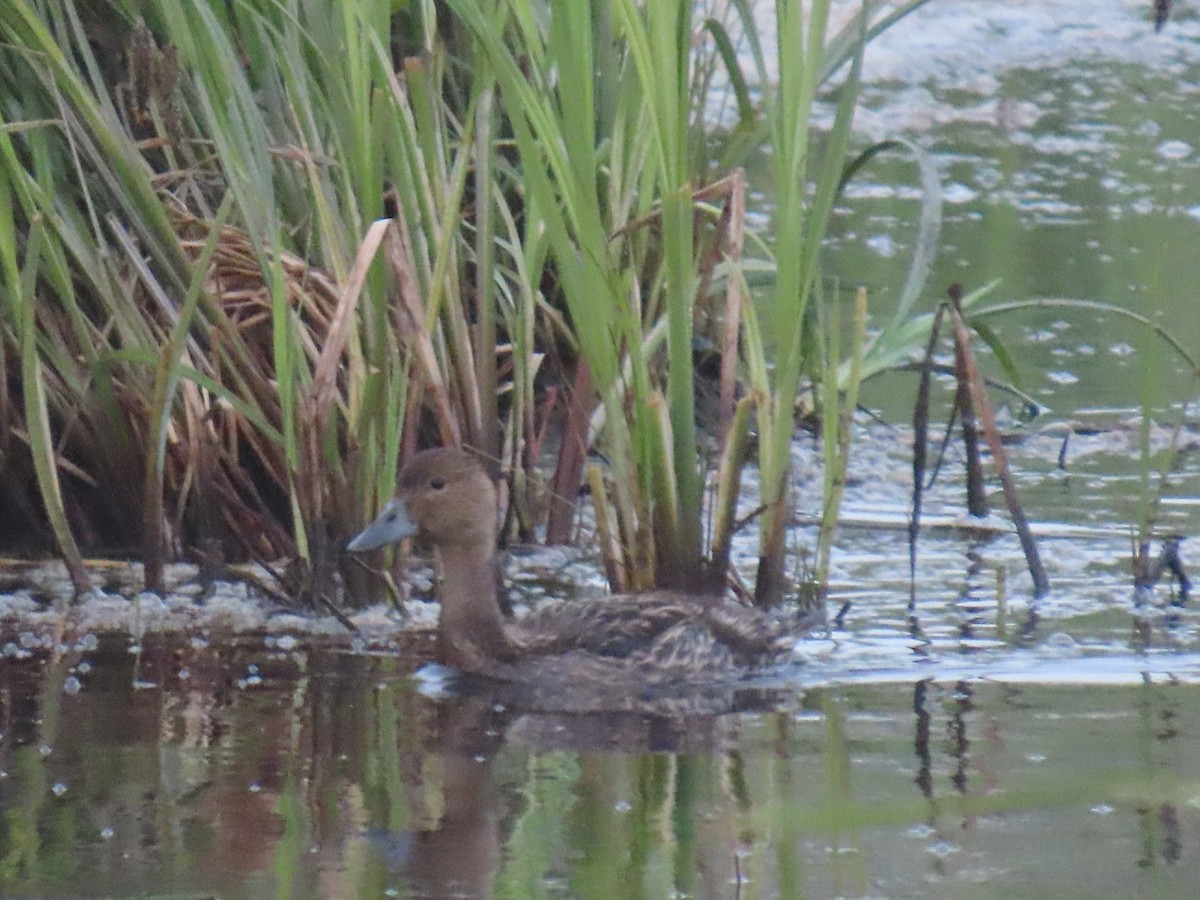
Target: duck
(658, 637)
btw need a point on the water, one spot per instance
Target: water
(332, 776)
(1067, 136)
(1068, 142)
(978, 744)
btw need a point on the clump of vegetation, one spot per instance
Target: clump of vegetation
(254, 253)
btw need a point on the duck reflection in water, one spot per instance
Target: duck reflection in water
(461, 855)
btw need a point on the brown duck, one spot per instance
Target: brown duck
(651, 638)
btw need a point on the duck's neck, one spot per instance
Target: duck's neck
(470, 627)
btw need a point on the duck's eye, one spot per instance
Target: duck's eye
(437, 483)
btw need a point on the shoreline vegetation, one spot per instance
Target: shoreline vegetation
(253, 255)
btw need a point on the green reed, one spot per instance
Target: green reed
(611, 177)
(293, 113)
(207, 274)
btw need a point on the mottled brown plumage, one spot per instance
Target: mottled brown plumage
(645, 639)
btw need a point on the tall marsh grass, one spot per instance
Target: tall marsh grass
(253, 254)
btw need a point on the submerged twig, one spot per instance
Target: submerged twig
(1148, 573)
(1162, 12)
(1062, 450)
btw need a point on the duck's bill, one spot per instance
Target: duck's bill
(392, 525)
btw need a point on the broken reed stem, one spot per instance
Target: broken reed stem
(324, 384)
(920, 451)
(964, 371)
(572, 451)
(962, 337)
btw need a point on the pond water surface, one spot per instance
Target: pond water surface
(977, 744)
(247, 771)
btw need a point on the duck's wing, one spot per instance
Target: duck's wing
(663, 628)
(718, 639)
(684, 653)
(618, 627)
(750, 634)
(687, 650)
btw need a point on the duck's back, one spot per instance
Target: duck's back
(658, 635)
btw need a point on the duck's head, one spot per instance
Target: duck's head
(445, 495)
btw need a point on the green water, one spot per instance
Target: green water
(249, 772)
(1075, 182)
